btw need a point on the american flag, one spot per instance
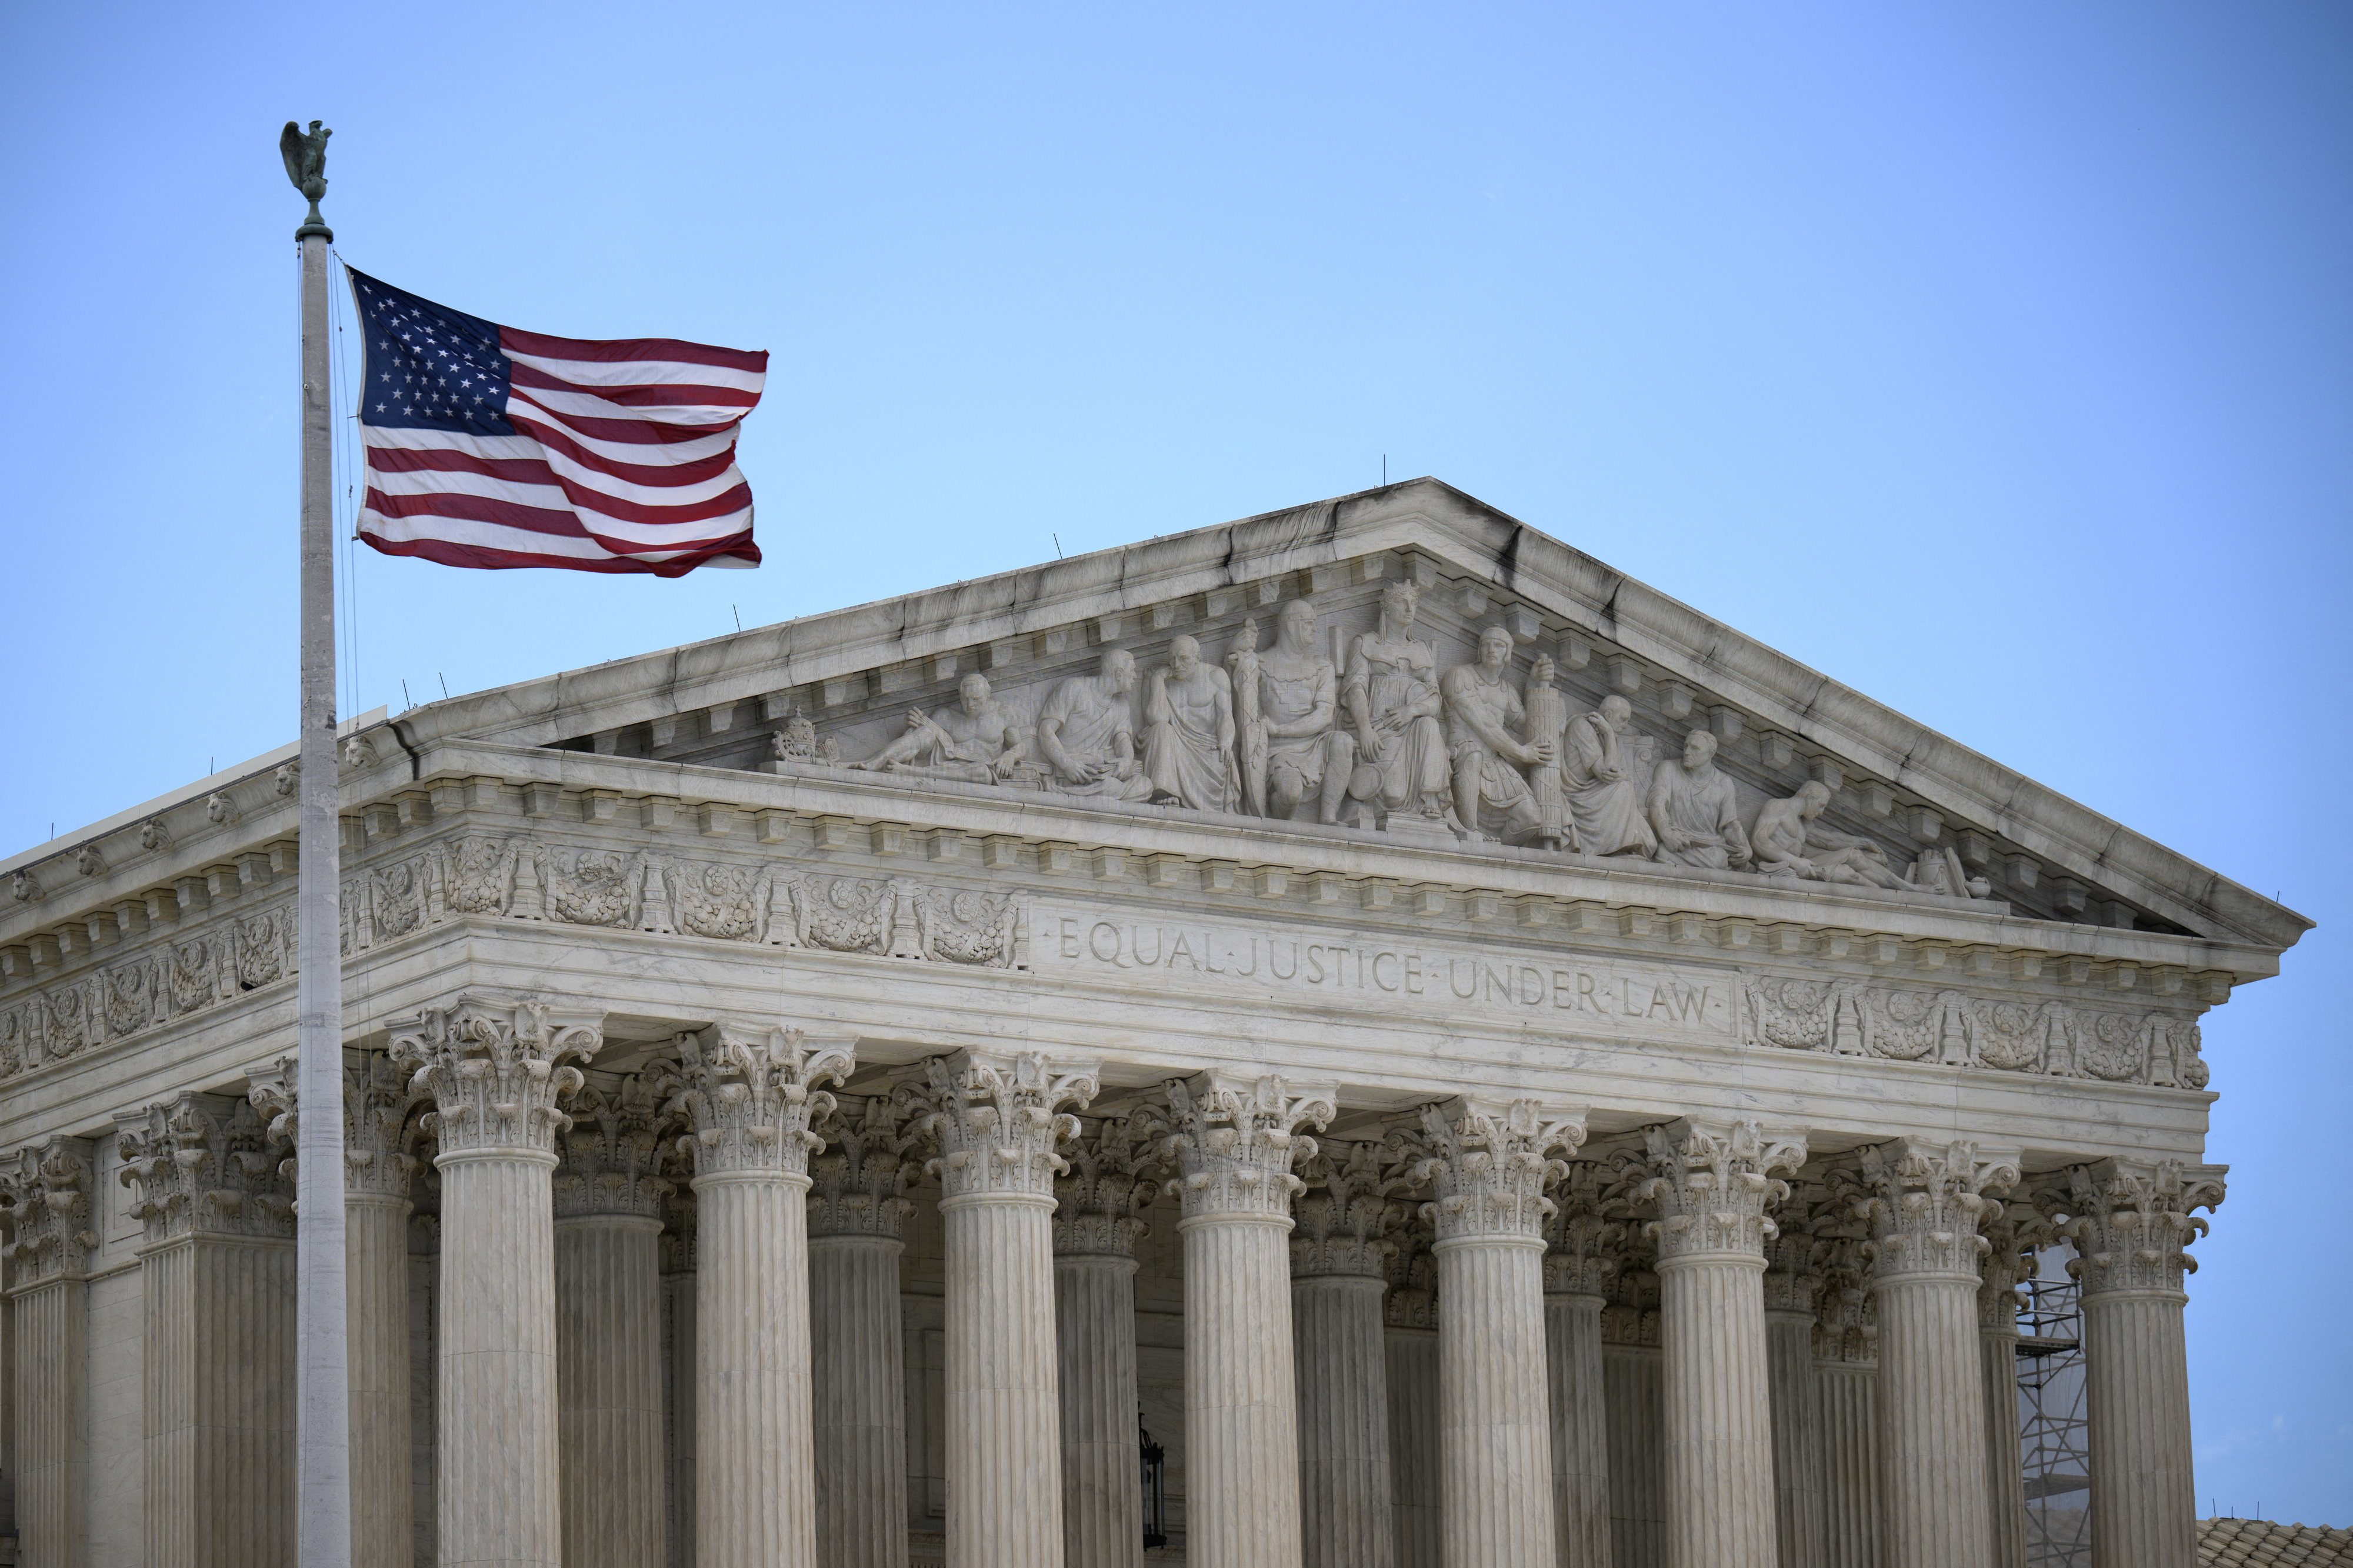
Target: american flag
(490, 447)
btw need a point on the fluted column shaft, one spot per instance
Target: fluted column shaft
(1580, 1434)
(1094, 1334)
(376, 1308)
(1496, 1416)
(1712, 1188)
(1340, 1362)
(754, 1491)
(859, 1417)
(1634, 1380)
(1797, 1437)
(1004, 1437)
(1415, 1481)
(52, 1421)
(2136, 1404)
(1850, 1512)
(1242, 1413)
(608, 1389)
(497, 1465)
(1719, 1418)
(2005, 1463)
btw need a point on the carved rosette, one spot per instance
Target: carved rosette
(1846, 1325)
(996, 1118)
(1099, 1201)
(495, 1067)
(202, 1166)
(2012, 1232)
(1711, 1182)
(377, 1103)
(1234, 1142)
(1923, 1204)
(1489, 1162)
(751, 1092)
(2130, 1223)
(49, 1212)
(856, 1184)
(1583, 1246)
(1342, 1223)
(610, 1157)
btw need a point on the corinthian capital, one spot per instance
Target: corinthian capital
(495, 1067)
(49, 1211)
(1098, 1201)
(752, 1093)
(1711, 1182)
(996, 1118)
(377, 1125)
(202, 1166)
(1234, 1140)
(1583, 1246)
(1923, 1202)
(1846, 1322)
(2012, 1232)
(1489, 1162)
(2130, 1220)
(1794, 1254)
(609, 1162)
(1341, 1224)
(856, 1185)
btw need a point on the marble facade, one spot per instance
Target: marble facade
(1493, 1067)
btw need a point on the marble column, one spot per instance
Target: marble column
(378, 1118)
(1846, 1372)
(752, 1090)
(608, 1350)
(678, 1376)
(1790, 1284)
(1339, 1253)
(496, 1068)
(859, 1414)
(1409, 1346)
(216, 1363)
(1581, 1261)
(1922, 1206)
(997, 1119)
(1711, 1182)
(2013, 1231)
(2129, 1222)
(1634, 1413)
(1235, 1142)
(1097, 1204)
(55, 1218)
(1488, 1163)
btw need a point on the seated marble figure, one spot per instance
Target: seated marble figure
(1693, 809)
(1604, 804)
(1392, 702)
(1086, 733)
(1189, 741)
(1483, 706)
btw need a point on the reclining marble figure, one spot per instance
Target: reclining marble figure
(1790, 842)
(973, 742)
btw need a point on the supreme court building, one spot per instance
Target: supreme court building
(1484, 1063)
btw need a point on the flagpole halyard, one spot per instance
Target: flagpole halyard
(322, 1379)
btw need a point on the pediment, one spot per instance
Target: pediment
(827, 692)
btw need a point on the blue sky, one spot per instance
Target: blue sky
(1996, 359)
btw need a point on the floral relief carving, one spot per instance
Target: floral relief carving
(202, 1165)
(608, 1160)
(1489, 1162)
(1234, 1139)
(496, 1068)
(48, 1188)
(1712, 1184)
(1342, 1222)
(2132, 1224)
(859, 1182)
(1922, 1205)
(997, 1119)
(1584, 1244)
(1108, 1184)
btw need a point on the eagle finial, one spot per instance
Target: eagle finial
(306, 165)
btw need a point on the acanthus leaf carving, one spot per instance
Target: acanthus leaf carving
(1488, 1161)
(609, 1158)
(2131, 1223)
(996, 1118)
(379, 1123)
(1711, 1182)
(201, 1165)
(1233, 1141)
(1099, 1200)
(1584, 1245)
(858, 1184)
(51, 1211)
(751, 1092)
(1342, 1223)
(496, 1068)
(1922, 1203)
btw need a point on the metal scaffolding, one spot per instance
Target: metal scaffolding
(2051, 1415)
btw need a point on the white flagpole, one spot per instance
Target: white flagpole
(322, 1376)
